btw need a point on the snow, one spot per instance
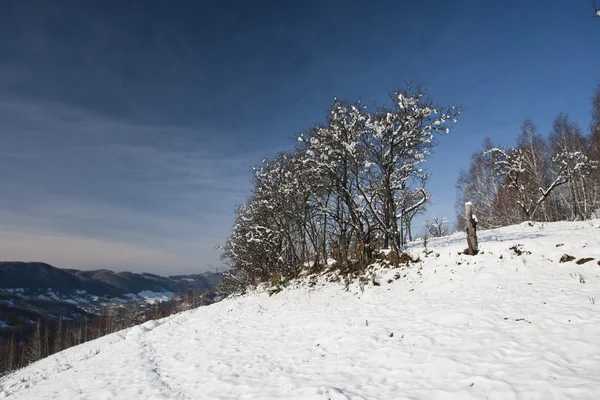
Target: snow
(14, 290)
(73, 301)
(50, 293)
(494, 326)
(151, 297)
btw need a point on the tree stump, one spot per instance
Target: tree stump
(472, 247)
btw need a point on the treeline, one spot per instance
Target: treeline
(351, 186)
(49, 336)
(551, 178)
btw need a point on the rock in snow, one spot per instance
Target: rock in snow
(454, 327)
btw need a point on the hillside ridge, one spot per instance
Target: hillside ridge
(512, 322)
(102, 282)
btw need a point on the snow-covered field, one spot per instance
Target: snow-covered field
(494, 326)
(151, 297)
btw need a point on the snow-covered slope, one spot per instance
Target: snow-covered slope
(495, 326)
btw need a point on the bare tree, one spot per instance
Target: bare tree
(11, 354)
(544, 180)
(412, 204)
(593, 151)
(483, 187)
(8, 354)
(571, 149)
(33, 350)
(511, 166)
(437, 227)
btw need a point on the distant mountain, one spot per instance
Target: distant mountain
(30, 291)
(103, 282)
(37, 275)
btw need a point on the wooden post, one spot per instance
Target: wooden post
(473, 248)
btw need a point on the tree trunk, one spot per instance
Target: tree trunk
(473, 248)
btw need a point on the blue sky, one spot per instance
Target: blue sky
(127, 132)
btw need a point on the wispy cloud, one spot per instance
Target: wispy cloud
(151, 195)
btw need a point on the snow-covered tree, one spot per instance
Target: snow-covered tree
(269, 234)
(544, 180)
(412, 204)
(334, 156)
(400, 140)
(512, 166)
(352, 185)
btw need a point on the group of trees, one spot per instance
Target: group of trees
(51, 335)
(351, 186)
(543, 179)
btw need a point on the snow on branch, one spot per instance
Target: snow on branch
(510, 165)
(352, 184)
(437, 226)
